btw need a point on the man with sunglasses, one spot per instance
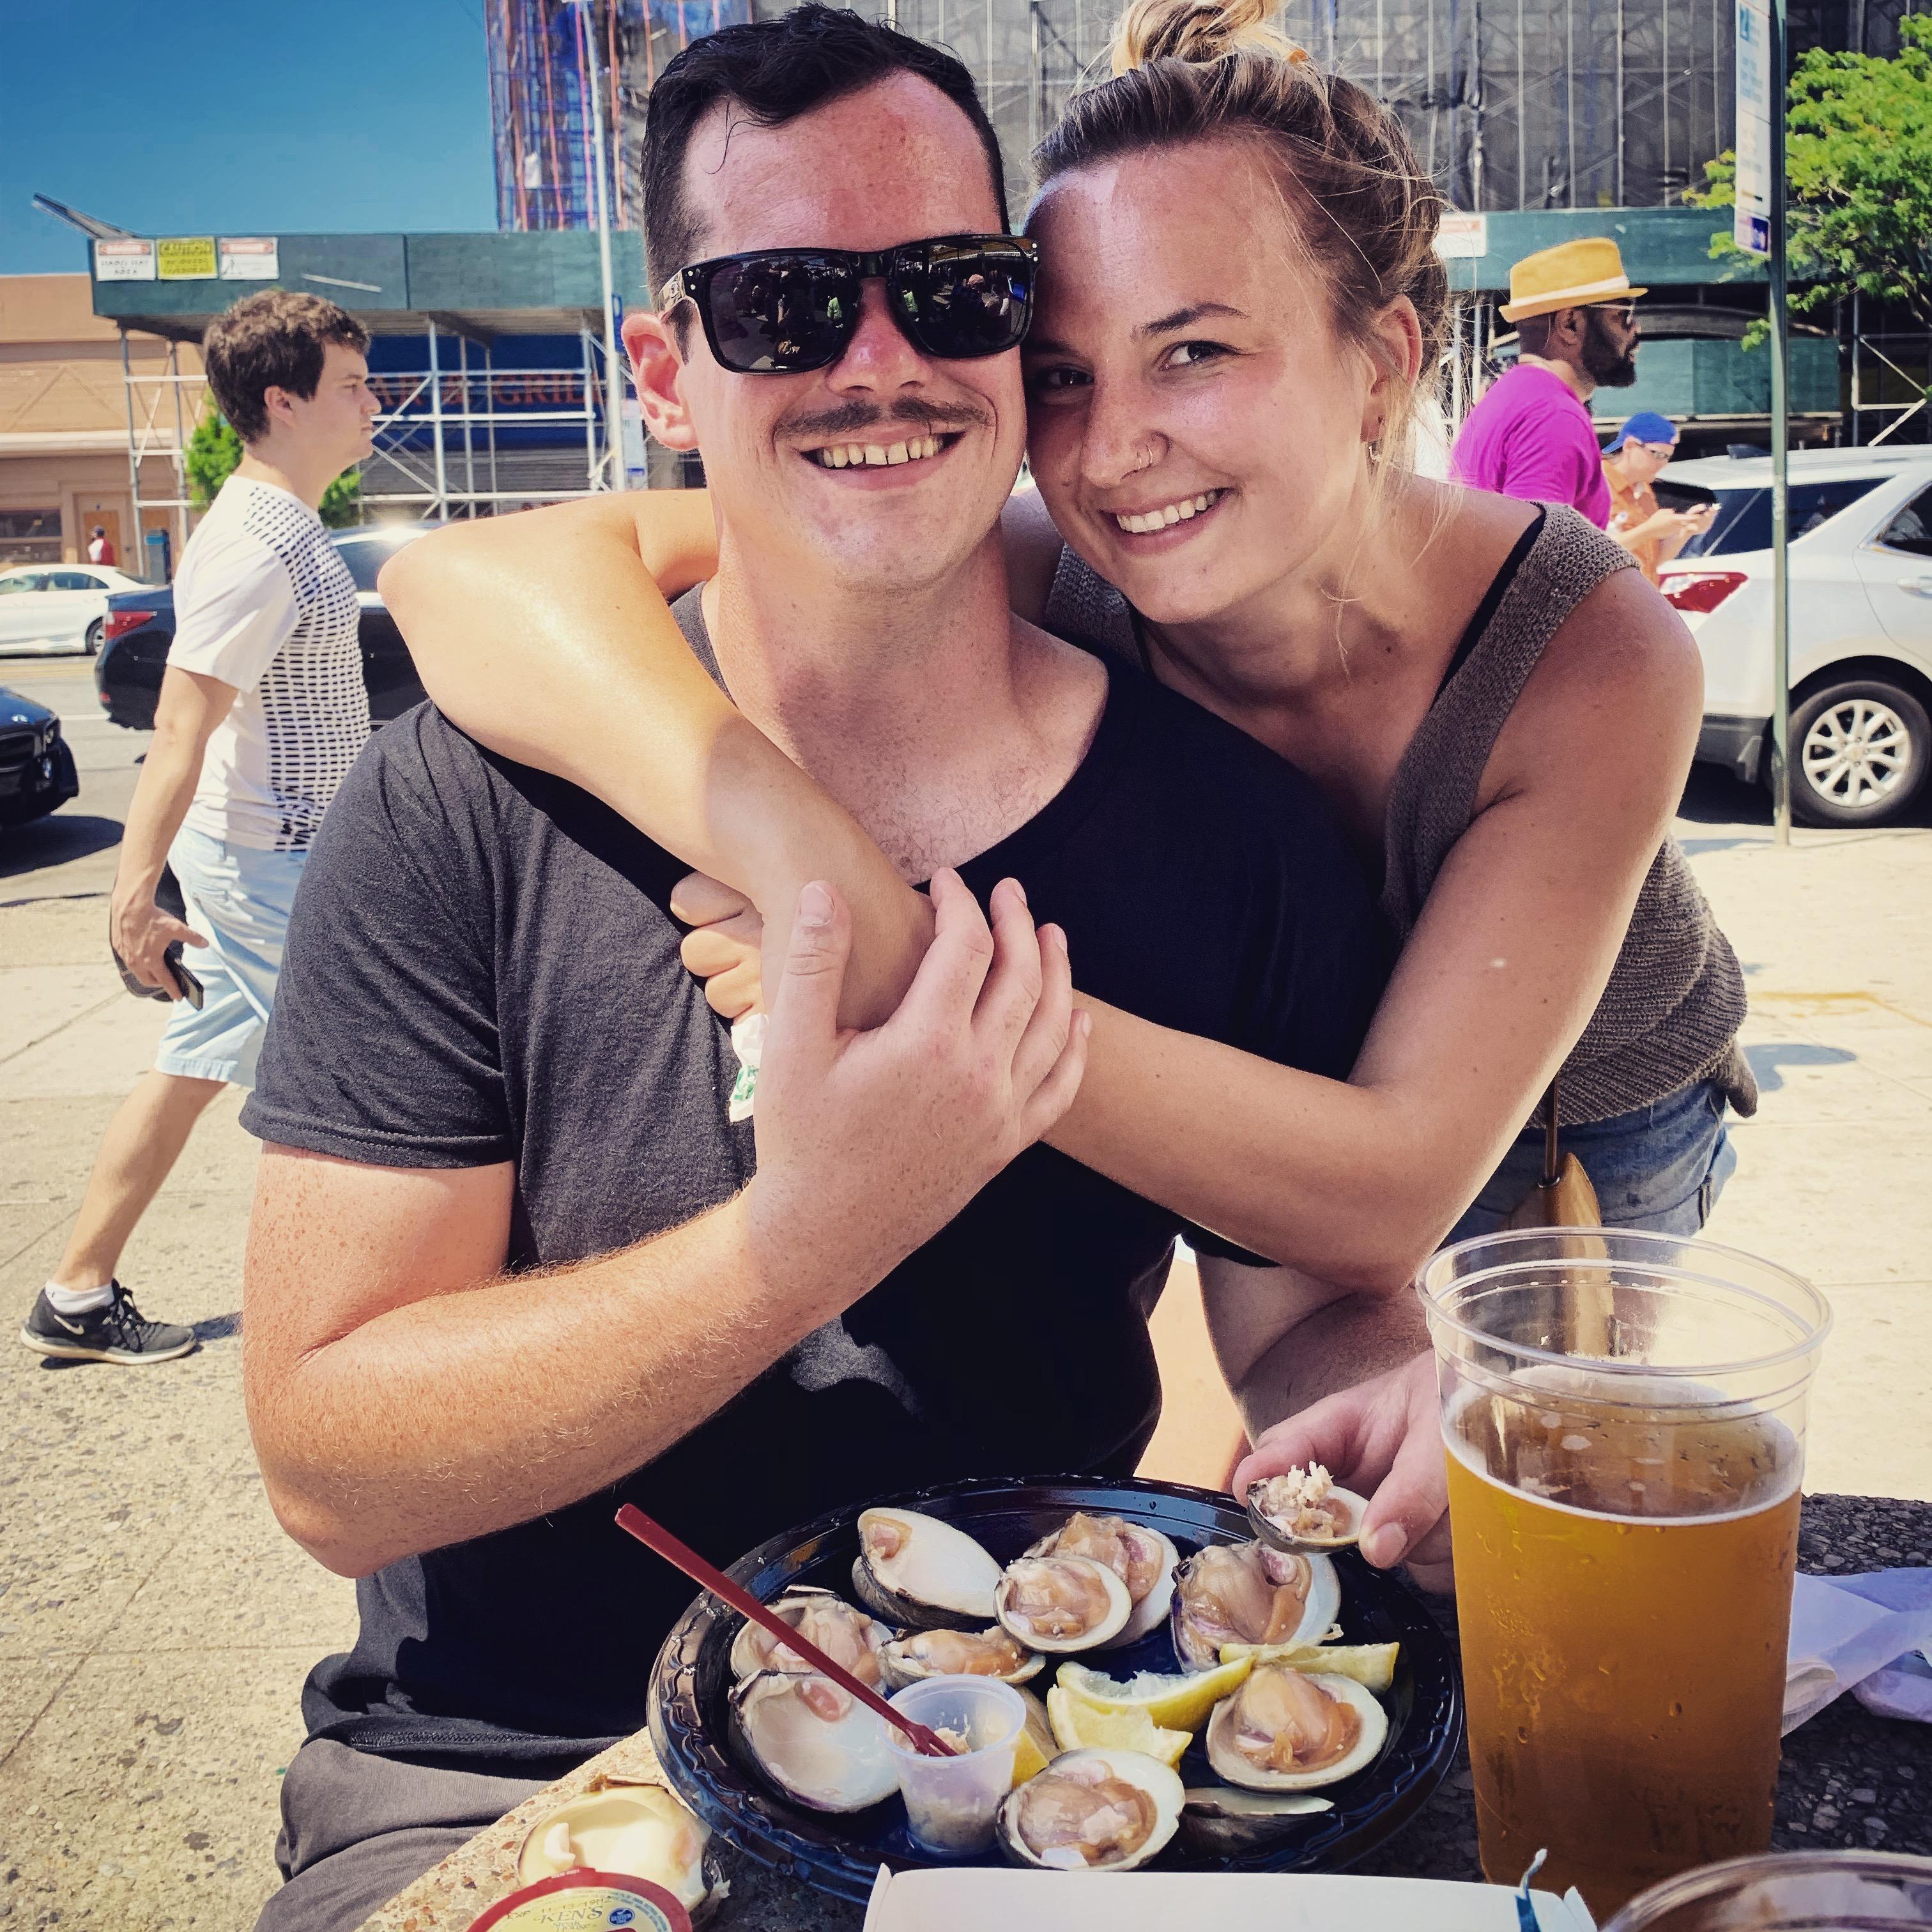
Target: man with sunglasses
(511, 1265)
(1531, 435)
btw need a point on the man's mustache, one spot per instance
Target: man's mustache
(850, 421)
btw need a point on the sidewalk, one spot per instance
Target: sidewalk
(155, 1625)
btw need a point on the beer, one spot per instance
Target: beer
(1623, 1581)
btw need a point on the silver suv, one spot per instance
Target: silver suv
(1861, 622)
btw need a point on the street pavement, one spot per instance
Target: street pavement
(155, 1625)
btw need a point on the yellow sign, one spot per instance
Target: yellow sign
(185, 258)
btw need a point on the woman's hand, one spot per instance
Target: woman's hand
(1383, 1439)
(724, 946)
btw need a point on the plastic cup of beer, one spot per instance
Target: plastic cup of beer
(1624, 1415)
(1789, 1892)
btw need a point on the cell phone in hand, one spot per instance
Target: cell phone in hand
(168, 897)
(191, 988)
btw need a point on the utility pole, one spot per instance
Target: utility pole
(1760, 227)
(614, 367)
(1781, 418)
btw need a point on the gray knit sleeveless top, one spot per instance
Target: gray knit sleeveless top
(1675, 998)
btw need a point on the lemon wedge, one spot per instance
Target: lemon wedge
(1037, 1746)
(1371, 1665)
(1180, 1703)
(1080, 1725)
(1029, 1760)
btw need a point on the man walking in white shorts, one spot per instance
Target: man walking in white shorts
(262, 711)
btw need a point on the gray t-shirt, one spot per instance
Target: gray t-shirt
(482, 967)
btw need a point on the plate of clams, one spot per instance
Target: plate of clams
(1208, 1687)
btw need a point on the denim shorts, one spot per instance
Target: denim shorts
(1661, 1167)
(238, 899)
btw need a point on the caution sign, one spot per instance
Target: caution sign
(185, 258)
(249, 258)
(1461, 237)
(123, 259)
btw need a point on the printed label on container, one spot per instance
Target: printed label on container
(586, 1901)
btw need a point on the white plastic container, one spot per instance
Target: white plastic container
(951, 1801)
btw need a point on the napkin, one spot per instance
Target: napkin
(1869, 1635)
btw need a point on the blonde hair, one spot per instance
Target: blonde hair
(1187, 70)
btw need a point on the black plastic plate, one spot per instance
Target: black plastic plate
(842, 1854)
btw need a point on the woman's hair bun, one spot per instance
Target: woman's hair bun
(1197, 31)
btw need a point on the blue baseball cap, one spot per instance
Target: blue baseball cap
(1646, 426)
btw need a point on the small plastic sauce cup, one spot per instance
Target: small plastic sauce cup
(950, 1801)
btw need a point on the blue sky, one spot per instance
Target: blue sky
(197, 117)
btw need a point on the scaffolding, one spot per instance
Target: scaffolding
(480, 426)
(440, 446)
(542, 54)
(164, 406)
(1510, 103)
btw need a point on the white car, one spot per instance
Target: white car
(57, 607)
(1861, 577)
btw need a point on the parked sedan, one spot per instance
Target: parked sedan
(36, 773)
(141, 626)
(50, 607)
(1860, 578)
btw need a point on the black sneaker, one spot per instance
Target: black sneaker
(119, 1333)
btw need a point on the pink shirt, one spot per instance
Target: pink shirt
(1531, 437)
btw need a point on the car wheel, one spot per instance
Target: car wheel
(1860, 751)
(95, 631)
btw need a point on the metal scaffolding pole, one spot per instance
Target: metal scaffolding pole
(469, 449)
(181, 449)
(490, 408)
(134, 452)
(1522, 118)
(436, 426)
(1620, 102)
(1857, 370)
(1570, 96)
(612, 367)
(589, 414)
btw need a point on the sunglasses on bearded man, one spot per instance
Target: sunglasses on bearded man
(784, 311)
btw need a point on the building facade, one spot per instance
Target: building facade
(64, 435)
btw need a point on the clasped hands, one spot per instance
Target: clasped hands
(1382, 1438)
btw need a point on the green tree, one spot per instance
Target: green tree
(214, 449)
(1859, 177)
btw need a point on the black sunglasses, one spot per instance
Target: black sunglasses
(782, 311)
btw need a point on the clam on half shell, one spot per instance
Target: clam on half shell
(1061, 1603)
(921, 1573)
(1290, 1730)
(1302, 1510)
(817, 1744)
(952, 1653)
(1092, 1810)
(1225, 1821)
(1143, 1558)
(846, 1635)
(1247, 1593)
(640, 1830)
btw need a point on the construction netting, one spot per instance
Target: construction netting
(1511, 104)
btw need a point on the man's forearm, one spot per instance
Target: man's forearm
(1333, 1348)
(464, 1413)
(166, 790)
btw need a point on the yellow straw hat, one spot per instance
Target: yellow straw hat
(1571, 275)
